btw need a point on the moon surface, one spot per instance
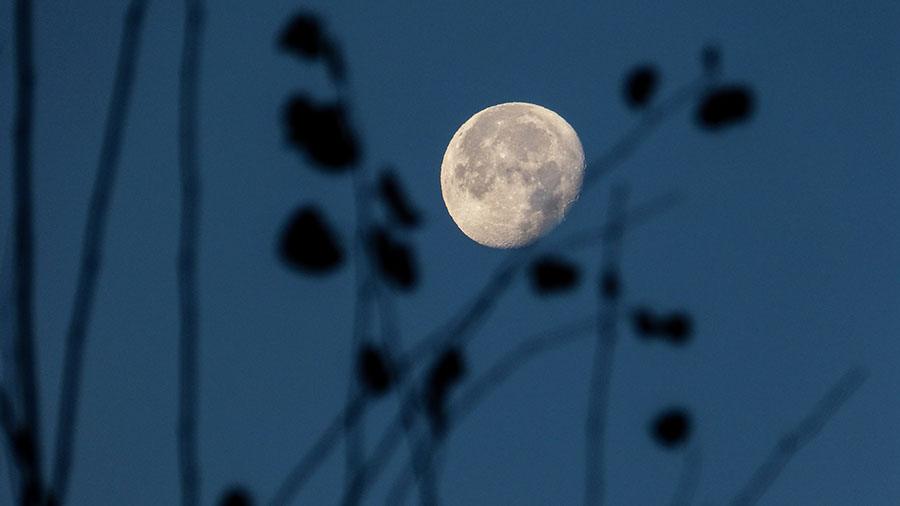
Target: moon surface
(511, 173)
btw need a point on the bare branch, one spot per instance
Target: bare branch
(799, 436)
(188, 450)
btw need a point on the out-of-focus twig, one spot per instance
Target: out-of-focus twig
(94, 232)
(799, 436)
(690, 478)
(188, 445)
(23, 247)
(604, 353)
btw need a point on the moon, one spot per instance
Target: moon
(511, 173)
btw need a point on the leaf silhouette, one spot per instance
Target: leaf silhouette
(236, 496)
(640, 85)
(394, 258)
(446, 373)
(677, 328)
(551, 274)
(323, 132)
(373, 369)
(671, 427)
(725, 106)
(303, 36)
(307, 242)
(401, 210)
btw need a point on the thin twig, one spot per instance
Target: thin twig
(604, 353)
(94, 231)
(408, 361)
(690, 478)
(316, 455)
(465, 321)
(188, 446)
(496, 375)
(23, 282)
(799, 436)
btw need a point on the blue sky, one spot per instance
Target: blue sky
(784, 250)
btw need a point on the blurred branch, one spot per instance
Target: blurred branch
(23, 226)
(650, 120)
(604, 353)
(496, 375)
(690, 478)
(799, 436)
(427, 349)
(95, 228)
(188, 446)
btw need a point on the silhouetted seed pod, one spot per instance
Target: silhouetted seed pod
(307, 243)
(373, 369)
(394, 259)
(303, 36)
(609, 284)
(711, 59)
(640, 86)
(398, 204)
(236, 496)
(678, 328)
(725, 106)
(445, 374)
(322, 132)
(644, 322)
(671, 427)
(551, 274)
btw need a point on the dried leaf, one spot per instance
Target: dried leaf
(394, 258)
(551, 274)
(640, 86)
(373, 369)
(725, 106)
(672, 427)
(399, 205)
(303, 36)
(449, 369)
(322, 132)
(307, 242)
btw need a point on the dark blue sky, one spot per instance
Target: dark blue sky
(784, 250)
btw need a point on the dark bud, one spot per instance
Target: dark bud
(553, 274)
(640, 85)
(445, 374)
(711, 59)
(395, 259)
(307, 243)
(374, 371)
(677, 328)
(303, 37)
(399, 206)
(725, 106)
(644, 322)
(323, 132)
(671, 428)
(236, 496)
(610, 286)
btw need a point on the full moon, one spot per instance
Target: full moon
(511, 173)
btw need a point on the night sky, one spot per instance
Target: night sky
(783, 247)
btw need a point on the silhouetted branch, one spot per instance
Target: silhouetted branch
(799, 436)
(690, 478)
(314, 457)
(188, 446)
(95, 228)
(650, 120)
(496, 375)
(445, 335)
(604, 353)
(23, 227)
